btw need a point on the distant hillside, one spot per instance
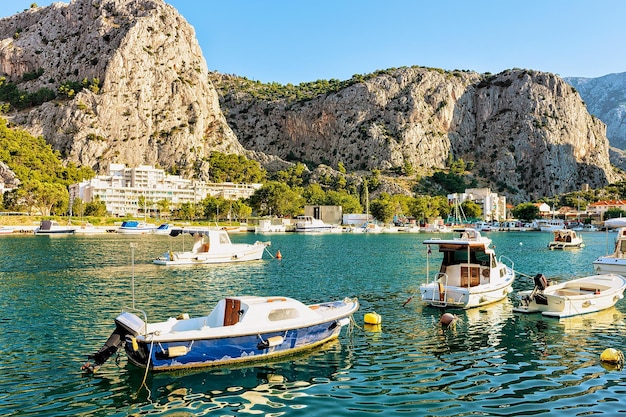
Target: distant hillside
(605, 98)
(527, 132)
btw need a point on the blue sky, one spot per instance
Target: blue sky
(293, 41)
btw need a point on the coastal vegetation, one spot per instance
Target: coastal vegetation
(43, 188)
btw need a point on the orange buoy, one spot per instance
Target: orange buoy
(278, 255)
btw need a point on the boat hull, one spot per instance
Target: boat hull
(162, 356)
(242, 253)
(461, 297)
(576, 297)
(609, 265)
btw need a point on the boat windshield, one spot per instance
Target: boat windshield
(460, 257)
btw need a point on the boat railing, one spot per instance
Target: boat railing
(502, 258)
(441, 278)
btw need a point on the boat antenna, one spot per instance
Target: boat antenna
(133, 245)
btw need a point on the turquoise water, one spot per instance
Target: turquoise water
(60, 295)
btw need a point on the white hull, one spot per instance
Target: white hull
(238, 253)
(614, 263)
(609, 265)
(211, 246)
(571, 298)
(458, 297)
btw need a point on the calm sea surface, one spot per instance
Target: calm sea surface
(59, 297)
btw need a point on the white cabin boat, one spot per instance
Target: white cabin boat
(211, 246)
(309, 224)
(52, 228)
(550, 225)
(614, 263)
(565, 239)
(470, 275)
(578, 296)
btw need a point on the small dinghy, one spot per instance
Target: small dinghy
(239, 329)
(578, 296)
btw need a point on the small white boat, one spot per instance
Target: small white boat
(309, 224)
(163, 229)
(88, 229)
(565, 239)
(550, 225)
(578, 296)
(614, 263)
(52, 228)
(133, 227)
(470, 275)
(211, 246)
(371, 227)
(238, 329)
(4, 230)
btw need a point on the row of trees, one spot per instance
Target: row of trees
(45, 180)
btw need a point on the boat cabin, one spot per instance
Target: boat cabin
(471, 265)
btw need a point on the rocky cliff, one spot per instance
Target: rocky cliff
(152, 103)
(151, 100)
(528, 131)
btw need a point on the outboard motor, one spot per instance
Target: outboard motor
(541, 283)
(125, 324)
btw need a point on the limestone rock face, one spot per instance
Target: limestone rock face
(153, 103)
(527, 131)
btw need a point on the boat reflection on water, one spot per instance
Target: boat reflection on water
(259, 389)
(593, 322)
(478, 327)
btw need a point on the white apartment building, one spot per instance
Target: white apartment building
(121, 189)
(493, 206)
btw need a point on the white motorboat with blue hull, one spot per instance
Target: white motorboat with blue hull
(239, 329)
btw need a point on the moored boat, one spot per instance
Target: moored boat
(309, 224)
(565, 239)
(614, 263)
(133, 227)
(578, 296)
(470, 274)
(211, 246)
(52, 228)
(238, 329)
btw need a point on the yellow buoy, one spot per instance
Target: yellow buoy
(372, 318)
(611, 355)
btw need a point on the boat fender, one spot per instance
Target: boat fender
(372, 318)
(448, 319)
(540, 282)
(134, 344)
(270, 342)
(612, 356)
(175, 351)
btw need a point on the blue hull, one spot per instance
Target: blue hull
(185, 354)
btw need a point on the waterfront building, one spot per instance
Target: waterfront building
(122, 189)
(493, 206)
